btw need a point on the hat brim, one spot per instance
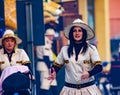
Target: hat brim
(90, 32)
(18, 40)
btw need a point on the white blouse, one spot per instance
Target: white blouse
(20, 57)
(73, 68)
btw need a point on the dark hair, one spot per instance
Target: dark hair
(78, 47)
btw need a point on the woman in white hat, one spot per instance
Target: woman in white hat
(81, 61)
(11, 57)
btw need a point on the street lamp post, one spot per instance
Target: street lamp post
(30, 28)
(30, 45)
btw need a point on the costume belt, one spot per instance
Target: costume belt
(78, 86)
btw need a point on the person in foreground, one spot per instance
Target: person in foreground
(13, 59)
(81, 61)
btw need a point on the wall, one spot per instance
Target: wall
(114, 18)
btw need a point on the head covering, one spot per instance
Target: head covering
(79, 22)
(50, 31)
(9, 33)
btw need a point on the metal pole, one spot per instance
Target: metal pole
(29, 29)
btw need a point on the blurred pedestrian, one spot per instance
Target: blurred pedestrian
(46, 57)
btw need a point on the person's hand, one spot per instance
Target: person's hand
(32, 77)
(85, 74)
(52, 75)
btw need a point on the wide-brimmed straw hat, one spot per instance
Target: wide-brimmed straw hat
(79, 22)
(50, 31)
(8, 34)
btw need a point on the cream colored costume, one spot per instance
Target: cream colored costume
(18, 58)
(73, 70)
(14, 61)
(41, 65)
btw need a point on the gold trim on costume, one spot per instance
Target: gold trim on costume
(26, 62)
(86, 61)
(66, 61)
(58, 65)
(2, 62)
(97, 62)
(19, 62)
(9, 35)
(47, 49)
